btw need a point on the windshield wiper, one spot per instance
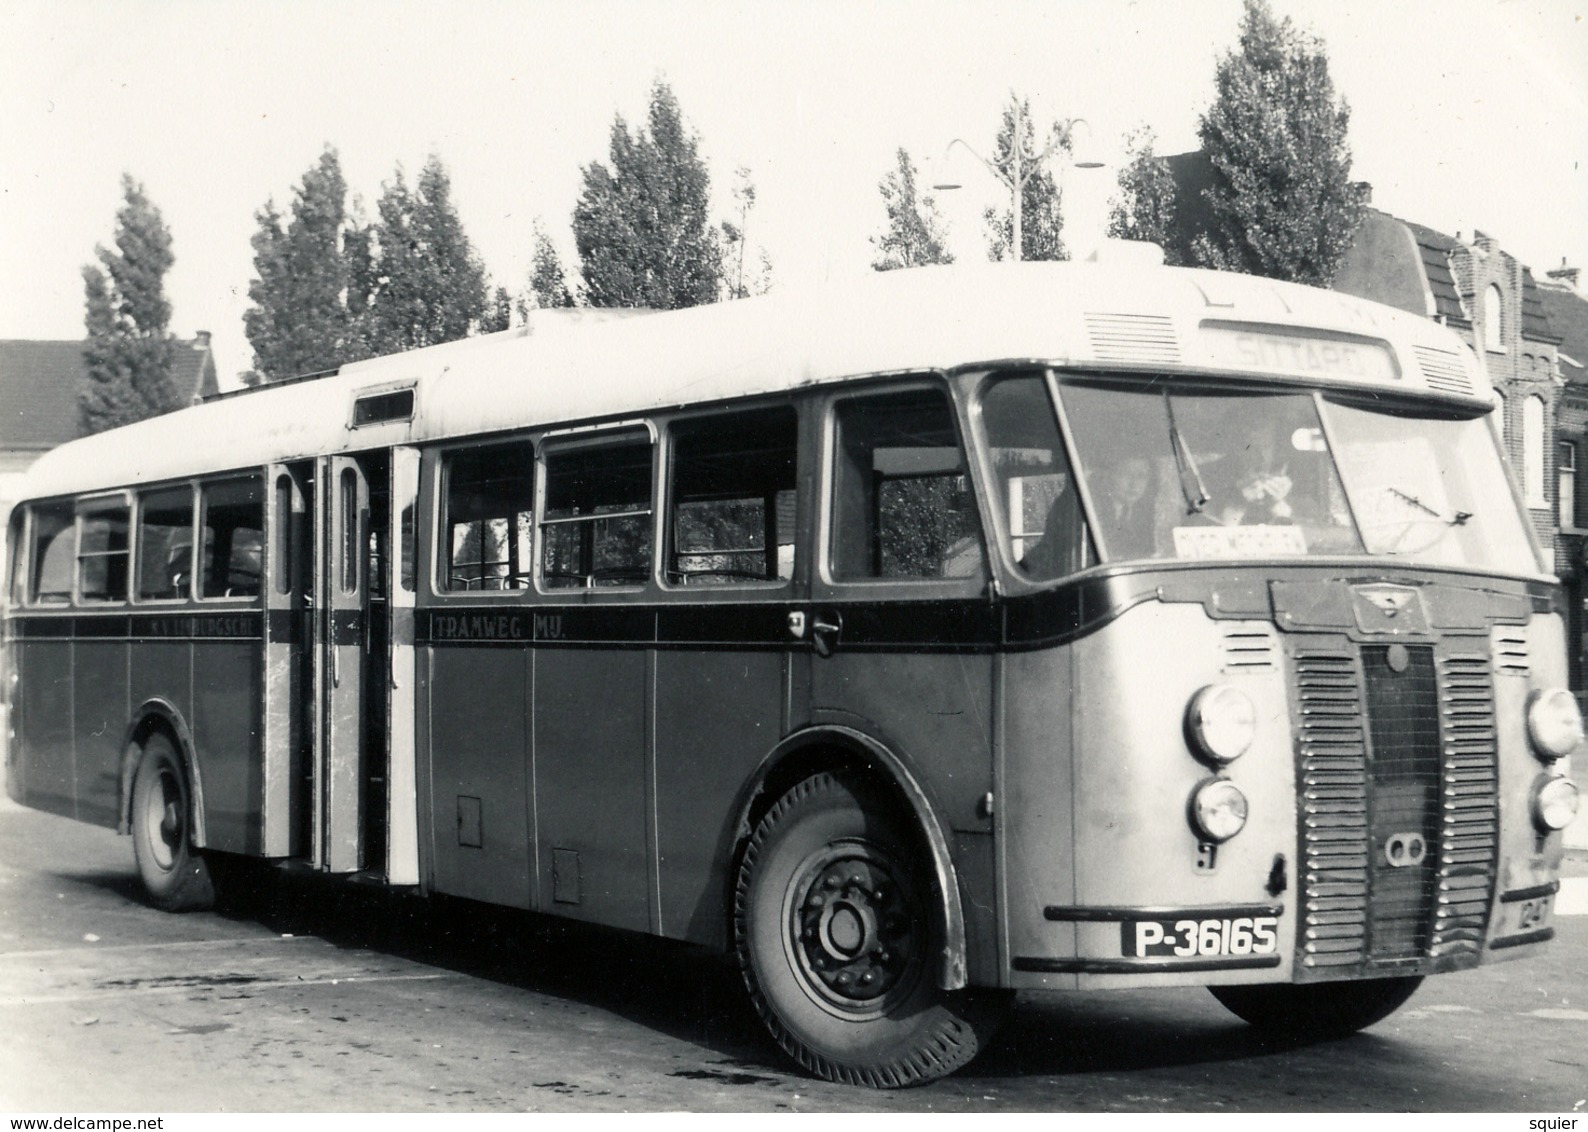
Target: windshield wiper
(1456, 520)
(1183, 462)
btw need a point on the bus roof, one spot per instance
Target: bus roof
(1095, 315)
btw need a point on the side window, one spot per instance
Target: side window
(233, 537)
(902, 502)
(1035, 486)
(165, 544)
(102, 554)
(488, 524)
(54, 554)
(731, 510)
(595, 529)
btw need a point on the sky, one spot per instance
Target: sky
(1465, 114)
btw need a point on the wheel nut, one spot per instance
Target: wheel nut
(855, 879)
(867, 979)
(831, 882)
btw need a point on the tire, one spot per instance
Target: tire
(1318, 1010)
(837, 942)
(174, 874)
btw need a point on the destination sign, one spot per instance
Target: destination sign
(1298, 355)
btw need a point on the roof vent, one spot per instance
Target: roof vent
(1141, 338)
(1444, 372)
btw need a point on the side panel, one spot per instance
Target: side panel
(717, 714)
(592, 780)
(99, 717)
(479, 755)
(44, 723)
(226, 731)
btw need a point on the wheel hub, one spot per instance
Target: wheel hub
(855, 933)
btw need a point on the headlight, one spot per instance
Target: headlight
(1218, 810)
(1554, 723)
(1554, 803)
(1222, 722)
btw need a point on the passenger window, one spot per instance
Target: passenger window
(489, 521)
(1035, 485)
(102, 555)
(732, 499)
(596, 528)
(54, 554)
(165, 544)
(233, 533)
(902, 502)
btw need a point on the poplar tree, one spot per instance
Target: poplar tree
(1145, 207)
(418, 277)
(548, 285)
(299, 321)
(641, 227)
(915, 235)
(129, 350)
(1282, 203)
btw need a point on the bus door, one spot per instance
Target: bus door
(901, 622)
(287, 740)
(402, 813)
(352, 661)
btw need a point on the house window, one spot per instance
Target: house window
(1533, 451)
(1493, 321)
(1566, 476)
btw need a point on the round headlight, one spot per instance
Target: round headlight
(1222, 721)
(1555, 803)
(1218, 810)
(1554, 723)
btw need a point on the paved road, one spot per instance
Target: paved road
(306, 996)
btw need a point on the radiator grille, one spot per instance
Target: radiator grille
(1403, 717)
(1392, 746)
(1332, 741)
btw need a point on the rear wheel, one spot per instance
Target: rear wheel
(174, 874)
(837, 941)
(1318, 1010)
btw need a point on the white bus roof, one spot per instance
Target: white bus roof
(585, 368)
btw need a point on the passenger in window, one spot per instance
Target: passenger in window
(1127, 508)
(1262, 484)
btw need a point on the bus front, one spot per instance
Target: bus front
(1285, 707)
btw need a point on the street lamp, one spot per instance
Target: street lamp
(1017, 162)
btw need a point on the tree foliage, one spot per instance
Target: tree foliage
(299, 322)
(129, 351)
(641, 227)
(419, 280)
(746, 267)
(915, 236)
(548, 284)
(1282, 203)
(1145, 206)
(1041, 203)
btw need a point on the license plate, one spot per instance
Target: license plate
(1185, 939)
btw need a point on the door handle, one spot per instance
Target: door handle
(826, 627)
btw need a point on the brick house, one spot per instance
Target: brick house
(38, 401)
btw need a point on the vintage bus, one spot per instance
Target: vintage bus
(920, 639)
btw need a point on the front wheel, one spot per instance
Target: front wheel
(174, 874)
(1318, 1010)
(837, 940)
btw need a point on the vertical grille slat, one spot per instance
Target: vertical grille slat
(1385, 749)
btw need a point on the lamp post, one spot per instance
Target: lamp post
(1017, 162)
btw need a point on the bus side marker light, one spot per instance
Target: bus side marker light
(1554, 802)
(1554, 723)
(1218, 810)
(1221, 722)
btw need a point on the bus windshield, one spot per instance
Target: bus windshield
(1210, 474)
